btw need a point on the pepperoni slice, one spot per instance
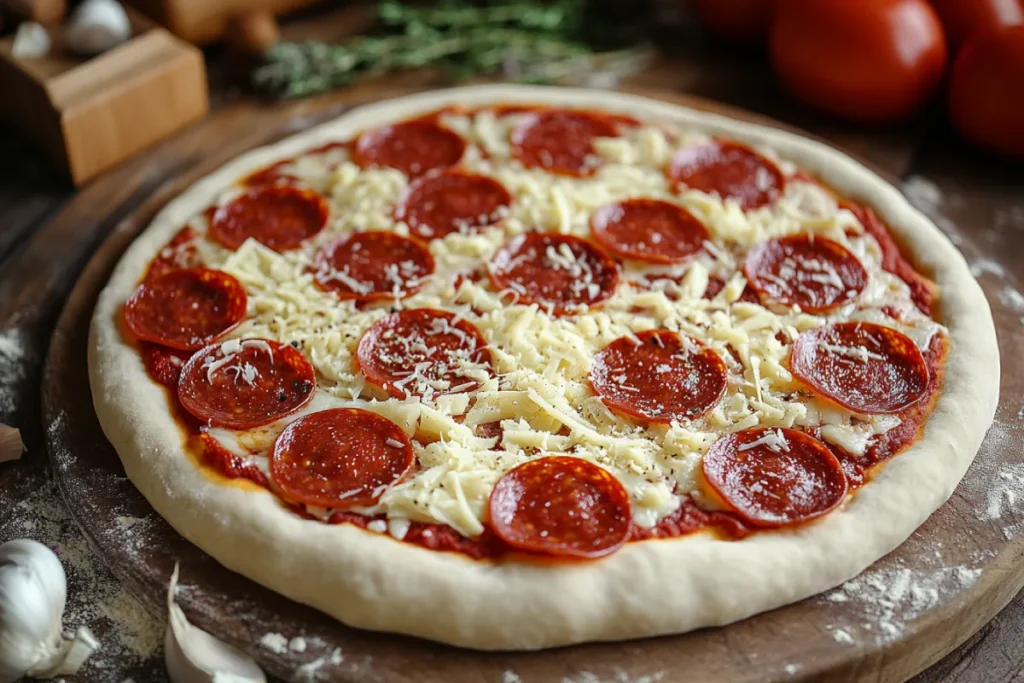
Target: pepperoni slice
(775, 477)
(559, 272)
(561, 506)
(561, 141)
(185, 309)
(865, 367)
(339, 458)
(662, 378)
(423, 352)
(368, 266)
(413, 147)
(441, 203)
(648, 230)
(731, 170)
(242, 384)
(279, 216)
(809, 271)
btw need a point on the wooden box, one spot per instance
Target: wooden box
(90, 114)
(204, 21)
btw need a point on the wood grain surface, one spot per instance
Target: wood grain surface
(910, 609)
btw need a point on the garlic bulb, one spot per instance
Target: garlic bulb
(96, 26)
(33, 589)
(31, 41)
(194, 656)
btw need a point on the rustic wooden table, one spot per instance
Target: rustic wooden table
(965, 192)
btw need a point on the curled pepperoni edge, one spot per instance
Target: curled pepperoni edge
(801, 365)
(314, 201)
(366, 356)
(520, 242)
(497, 506)
(203, 415)
(601, 222)
(727, 446)
(326, 253)
(295, 434)
(228, 284)
(757, 256)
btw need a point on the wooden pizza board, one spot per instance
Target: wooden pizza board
(911, 608)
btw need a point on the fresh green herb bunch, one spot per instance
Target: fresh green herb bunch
(524, 40)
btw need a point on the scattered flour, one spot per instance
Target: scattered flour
(1005, 492)
(882, 602)
(129, 634)
(15, 360)
(297, 644)
(511, 677)
(313, 671)
(275, 642)
(791, 669)
(1013, 300)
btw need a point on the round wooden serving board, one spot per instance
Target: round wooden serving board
(904, 614)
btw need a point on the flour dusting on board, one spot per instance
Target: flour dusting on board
(881, 602)
(15, 359)
(95, 598)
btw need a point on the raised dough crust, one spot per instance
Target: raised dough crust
(654, 587)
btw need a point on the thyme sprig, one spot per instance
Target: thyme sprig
(525, 40)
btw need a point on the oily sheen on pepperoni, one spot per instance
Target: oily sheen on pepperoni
(663, 378)
(413, 147)
(865, 367)
(648, 230)
(775, 477)
(339, 458)
(280, 217)
(730, 170)
(243, 384)
(450, 201)
(422, 351)
(560, 141)
(812, 272)
(561, 273)
(561, 506)
(185, 309)
(368, 266)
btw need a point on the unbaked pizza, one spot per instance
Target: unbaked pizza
(570, 365)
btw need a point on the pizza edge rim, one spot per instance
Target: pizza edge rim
(652, 588)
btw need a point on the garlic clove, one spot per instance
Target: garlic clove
(194, 656)
(31, 41)
(33, 590)
(97, 26)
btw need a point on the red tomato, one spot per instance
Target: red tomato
(986, 91)
(863, 60)
(962, 18)
(741, 21)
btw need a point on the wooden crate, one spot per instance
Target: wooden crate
(204, 21)
(90, 114)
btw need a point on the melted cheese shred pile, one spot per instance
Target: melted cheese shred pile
(540, 394)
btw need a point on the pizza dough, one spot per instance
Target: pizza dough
(647, 588)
